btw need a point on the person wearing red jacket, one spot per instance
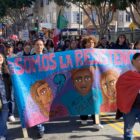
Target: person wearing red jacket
(128, 97)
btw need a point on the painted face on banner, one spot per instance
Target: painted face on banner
(108, 86)
(42, 94)
(45, 94)
(82, 80)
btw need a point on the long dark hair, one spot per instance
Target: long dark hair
(136, 43)
(123, 35)
(39, 39)
(4, 65)
(50, 43)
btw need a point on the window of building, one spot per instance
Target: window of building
(74, 17)
(67, 16)
(128, 18)
(77, 17)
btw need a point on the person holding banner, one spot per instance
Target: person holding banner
(4, 80)
(103, 43)
(38, 48)
(128, 97)
(9, 47)
(89, 42)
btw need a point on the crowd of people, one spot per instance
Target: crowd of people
(10, 48)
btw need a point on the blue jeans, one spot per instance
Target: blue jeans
(129, 122)
(3, 120)
(11, 104)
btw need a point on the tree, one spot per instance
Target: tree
(134, 6)
(104, 10)
(2, 9)
(16, 11)
(18, 3)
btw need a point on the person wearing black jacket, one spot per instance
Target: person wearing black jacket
(121, 43)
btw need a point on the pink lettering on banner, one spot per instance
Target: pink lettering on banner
(118, 59)
(11, 67)
(78, 57)
(110, 56)
(37, 62)
(122, 57)
(69, 61)
(103, 57)
(115, 57)
(87, 56)
(27, 67)
(45, 63)
(96, 57)
(127, 56)
(20, 69)
(62, 65)
(32, 65)
(51, 58)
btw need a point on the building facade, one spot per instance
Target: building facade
(47, 12)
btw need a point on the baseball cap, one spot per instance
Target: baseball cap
(9, 44)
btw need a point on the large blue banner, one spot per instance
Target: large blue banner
(55, 85)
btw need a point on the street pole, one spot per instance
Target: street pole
(79, 20)
(132, 32)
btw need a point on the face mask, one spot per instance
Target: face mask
(51, 50)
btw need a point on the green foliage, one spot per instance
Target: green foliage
(119, 4)
(133, 1)
(18, 3)
(13, 4)
(2, 9)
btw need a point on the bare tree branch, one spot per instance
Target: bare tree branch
(133, 16)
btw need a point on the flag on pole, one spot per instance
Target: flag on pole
(56, 34)
(62, 21)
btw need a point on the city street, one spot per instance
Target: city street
(71, 128)
(69, 57)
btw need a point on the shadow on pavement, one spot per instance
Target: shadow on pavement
(107, 136)
(15, 133)
(63, 125)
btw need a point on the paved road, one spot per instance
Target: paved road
(71, 129)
